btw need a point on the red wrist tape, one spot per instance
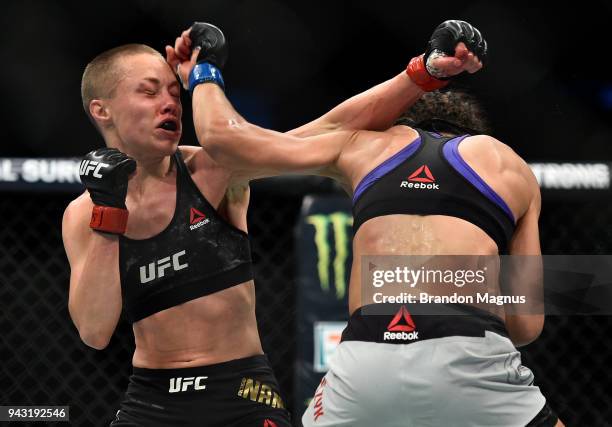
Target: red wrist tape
(109, 220)
(417, 72)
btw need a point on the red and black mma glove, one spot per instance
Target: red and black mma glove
(105, 172)
(212, 56)
(442, 43)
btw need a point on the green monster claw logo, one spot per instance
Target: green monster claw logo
(339, 221)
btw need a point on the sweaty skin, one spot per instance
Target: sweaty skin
(497, 164)
(347, 155)
(191, 334)
(197, 332)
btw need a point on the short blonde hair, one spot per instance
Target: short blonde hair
(102, 74)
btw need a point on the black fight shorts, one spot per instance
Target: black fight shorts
(241, 392)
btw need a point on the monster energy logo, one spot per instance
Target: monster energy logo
(339, 222)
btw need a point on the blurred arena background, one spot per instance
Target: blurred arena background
(546, 87)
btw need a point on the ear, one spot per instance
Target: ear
(100, 112)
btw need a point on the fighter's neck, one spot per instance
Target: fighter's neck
(153, 168)
(149, 175)
(149, 164)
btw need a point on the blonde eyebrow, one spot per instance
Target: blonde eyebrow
(152, 80)
(157, 82)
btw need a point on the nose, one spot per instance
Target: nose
(171, 105)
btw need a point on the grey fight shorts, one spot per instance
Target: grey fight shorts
(406, 369)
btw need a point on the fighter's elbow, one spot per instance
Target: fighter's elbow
(217, 132)
(524, 329)
(95, 339)
(92, 335)
(523, 339)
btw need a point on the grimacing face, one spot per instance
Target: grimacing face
(146, 109)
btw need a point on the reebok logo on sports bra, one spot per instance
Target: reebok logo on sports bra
(429, 177)
(422, 178)
(197, 219)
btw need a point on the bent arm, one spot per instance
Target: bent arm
(375, 109)
(526, 321)
(255, 152)
(94, 300)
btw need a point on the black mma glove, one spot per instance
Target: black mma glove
(212, 56)
(105, 172)
(442, 43)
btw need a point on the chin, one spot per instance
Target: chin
(168, 146)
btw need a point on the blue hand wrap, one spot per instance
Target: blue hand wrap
(205, 72)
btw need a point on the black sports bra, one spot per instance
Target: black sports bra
(429, 177)
(199, 253)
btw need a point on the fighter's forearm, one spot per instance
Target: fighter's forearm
(217, 124)
(375, 109)
(95, 295)
(378, 107)
(253, 151)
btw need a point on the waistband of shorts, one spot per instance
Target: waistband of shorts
(409, 323)
(236, 365)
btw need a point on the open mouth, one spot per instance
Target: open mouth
(169, 125)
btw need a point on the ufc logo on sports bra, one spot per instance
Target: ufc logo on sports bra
(91, 165)
(157, 269)
(183, 384)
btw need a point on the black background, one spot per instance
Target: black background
(547, 86)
